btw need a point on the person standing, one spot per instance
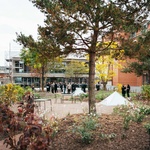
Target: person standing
(98, 86)
(64, 86)
(61, 86)
(123, 91)
(48, 87)
(55, 87)
(32, 87)
(52, 87)
(73, 87)
(128, 91)
(69, 88)
(83, 86)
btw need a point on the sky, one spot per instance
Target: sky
(17, 16)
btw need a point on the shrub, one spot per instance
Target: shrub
(83, 96)
(37, 95)
(146, 91)
(37, 133)
(20, 92)
(101, 95)
(119, 86)
(9, 94)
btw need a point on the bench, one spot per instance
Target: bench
(66, 96)
(71, 97)
(40, 100)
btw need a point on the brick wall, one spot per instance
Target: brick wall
(126, 78)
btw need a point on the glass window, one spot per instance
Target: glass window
(18, 80)
(16, 63)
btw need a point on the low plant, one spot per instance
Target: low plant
(125, 112)
(147, 126)
(140, 113)
(37, 95)
(126, 121)
(132, 113)
(108, 136)
(85, 127)
(86, 136)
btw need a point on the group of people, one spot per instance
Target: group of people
(64, 87)
(126, 90)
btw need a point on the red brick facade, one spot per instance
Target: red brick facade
(126, 78)
(129, 78)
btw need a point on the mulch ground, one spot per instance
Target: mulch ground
(114, 136)
(109, 135)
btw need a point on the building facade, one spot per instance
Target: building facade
(126, 78)
(21, 74)
(4, 75)
(131, 78)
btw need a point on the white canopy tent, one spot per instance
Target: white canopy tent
(77, 92)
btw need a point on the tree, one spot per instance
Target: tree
(37, 64)
(75, 69)
(141, 53)
(77, 26)
(108, 59)
(104, 71)
(38, 61)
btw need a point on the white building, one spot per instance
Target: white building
(20, 73)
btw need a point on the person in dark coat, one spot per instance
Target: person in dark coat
(32, 87)
(123, 91)
(83, 86)
(48, 87)
(98, 86)
(55, 87)
(73, 87)
(64, 86)
(128, 90)
(61, 86)
(52, 87)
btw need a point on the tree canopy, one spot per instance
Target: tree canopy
(77, 26)
(75, 69)
(141, 53)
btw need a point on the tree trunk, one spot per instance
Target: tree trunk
(104, 86)
(43, 73)
(148, 76)
(92, 107)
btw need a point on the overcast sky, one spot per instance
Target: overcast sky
(17, 16)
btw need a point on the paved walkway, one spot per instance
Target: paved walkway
(61, 110)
